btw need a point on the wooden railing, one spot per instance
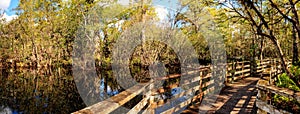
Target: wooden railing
(266, 89)
(201, 85)
(264, 94)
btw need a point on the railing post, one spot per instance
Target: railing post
(253, 66)
(227, 74)
(271, 72)
(274, 71)
(200, 88)
(151, 99)
(260, 62)
(263, 97)
(275, 65)
(243, 63)
(233, 70)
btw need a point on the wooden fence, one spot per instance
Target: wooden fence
(266, 87)
(201, 85)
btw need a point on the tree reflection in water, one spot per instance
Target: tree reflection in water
(39, 91)
(53, 90)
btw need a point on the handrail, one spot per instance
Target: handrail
(266, 86)
(264, 89)
(116, 101)
(148, 103)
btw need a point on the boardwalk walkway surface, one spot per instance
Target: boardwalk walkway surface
(236, 98)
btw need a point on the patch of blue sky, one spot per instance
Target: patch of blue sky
(167, 10)
(10, 10)
(6, 8)
(168, 4)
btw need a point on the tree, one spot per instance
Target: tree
(263, 22)
(294, 19)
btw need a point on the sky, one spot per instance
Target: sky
(8, 6)
(162, 7)
(165, 7)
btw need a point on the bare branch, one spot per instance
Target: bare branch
(282, 14)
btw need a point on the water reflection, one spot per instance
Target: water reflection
(39, 91)
(50, 90)
(53, 90)
(109, 92)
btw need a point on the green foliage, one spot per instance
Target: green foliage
(278, 98)
(296, 71)
(282, 102)
(285, 81)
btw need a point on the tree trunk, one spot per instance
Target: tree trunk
(253, 47)
(296, 29)
(295, 47)
(280, 54)
(283, 62)
(261, 48)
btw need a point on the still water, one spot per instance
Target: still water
(38, 91)
(51, 90)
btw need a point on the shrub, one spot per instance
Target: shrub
(295, 70)
(285, 81)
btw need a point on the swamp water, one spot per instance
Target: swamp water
(49, 91)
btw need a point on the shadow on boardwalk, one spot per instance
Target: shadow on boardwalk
(238, 97)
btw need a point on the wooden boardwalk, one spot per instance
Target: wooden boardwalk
(236, 98)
